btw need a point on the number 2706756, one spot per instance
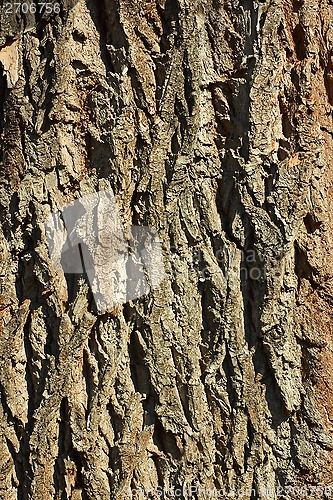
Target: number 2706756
(25, 7)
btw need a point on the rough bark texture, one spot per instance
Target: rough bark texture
(211, 121)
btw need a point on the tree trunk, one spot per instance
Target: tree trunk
(211, 121)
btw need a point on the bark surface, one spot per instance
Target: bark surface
(211, 121)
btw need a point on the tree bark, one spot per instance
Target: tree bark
(211, 121)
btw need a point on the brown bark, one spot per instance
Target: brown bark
(211, 121)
